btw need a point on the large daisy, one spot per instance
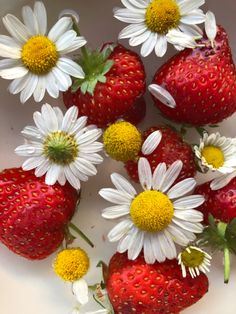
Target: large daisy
(217, 153)
(36, 62)
(62, 147)
(154, 23)
(156, 218)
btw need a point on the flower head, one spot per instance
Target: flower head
(71, 264)
(36, 62)
(62, 147)
(155, 218)
(195, 260)
(123, 141)
(153, 23)
(217, 153)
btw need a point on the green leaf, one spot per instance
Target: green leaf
(230, 235)
(201, 130)
(91, 86)
(213, 126)
(76, 85)
(108, 65)
(102, 78)
(84, 87)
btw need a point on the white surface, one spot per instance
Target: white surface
(31, 287)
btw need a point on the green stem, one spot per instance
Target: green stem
(81, 234)
(98, 302)
(76, 29)
(226, 264)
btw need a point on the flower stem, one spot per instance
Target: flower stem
(81, 234)
(226, 264)
(76, 29)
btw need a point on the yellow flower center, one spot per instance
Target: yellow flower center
(39, 54)
(214, 156)
(151, 211)
(122, 141)
(60, 148)
(71, 264)
(162, 15)
(192, 258)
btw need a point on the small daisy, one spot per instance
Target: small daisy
(217, 153)
(37, 62)
(195, 260)
(155, 218)
(154, 23)
(123, 141)
(62, 147)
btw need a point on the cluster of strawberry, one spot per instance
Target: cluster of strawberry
(200, 89)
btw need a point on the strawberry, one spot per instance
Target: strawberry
(114, 80)
(136, 287)
(219, 211)
(202, 82)
(33, 215)
(137, 112)
(170, 149)
(220, 203)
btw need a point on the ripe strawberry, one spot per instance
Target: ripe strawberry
(220, 203)
(137, 112)
(219, 211)
(136, 287)
(114, 80)
(170, 149)
(33, 215)
(202, 82)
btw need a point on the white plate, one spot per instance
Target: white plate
(32, 287)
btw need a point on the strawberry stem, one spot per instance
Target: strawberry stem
(226, 264)
(76, 29)
(81, 234)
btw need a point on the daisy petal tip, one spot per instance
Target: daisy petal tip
(211, 27)
(162, 95)
(70, 13)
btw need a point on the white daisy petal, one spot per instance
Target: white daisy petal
(65, 40)
(151, 142)
(63, 25)
(116, 211)
(13, 73)
(79, 124)
(70, 67)
(72, 179)
(10, 43)
(41, 16)
(63, 80)
(77, 43)
(171, 175)
(156, 247)
(128, 16)
(139, 39)
(177, 235)
(161, 46)
(93, 148)
(147, 250)
(189, 202)
(29, 89)
(43, 168)
(124, 243)
(93, 158)
(145, 173)
(29, 150)
(182, 188)
(51, 85)
(77, 173)
(132, 30)
(30, 20)
(9, 52)
(136, 244)
(189, 5)
(119, 230)
(222, 181)
(40, 89)
(210, 26)
(62, 178)
(189, 226)
(50, 118)
(89, 136)
(189, 215)
(32, 133)
(80, 290)
(176, 37)
(85, 166)
(149, 45)
(32, 163)
(159, 176)
(17, 85)
(69, 119)
(188, 236)
(195, 17)
(52, 174)
(162, 95)
(116, 197)
(192, 30)
(123, 184)
(133, 6)
(16, 28)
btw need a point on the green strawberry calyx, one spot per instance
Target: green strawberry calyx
(220, 236)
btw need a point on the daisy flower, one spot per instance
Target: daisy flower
(195, 260)
(62, 147)
(123, 141)
(154, 23)
(37, 62)
(155, 218)
(217, 153)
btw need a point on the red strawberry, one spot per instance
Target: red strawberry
(170, 149)
(219, 211)
(33, 215)
(114, 81)
(137, 112)
(136, 287)
(220, 203)
(202, 81)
